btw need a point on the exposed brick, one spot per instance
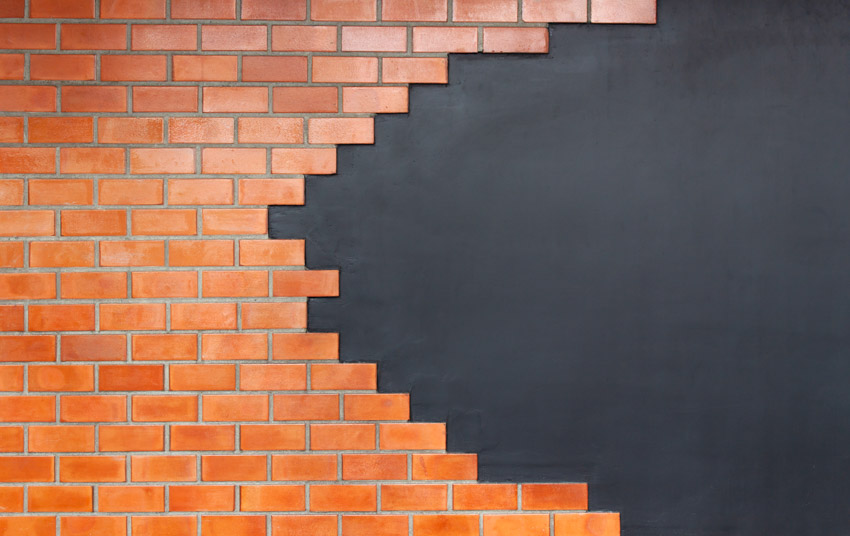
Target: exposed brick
(554, 496)
(554, 10)
(131, 378)
(343, 498)
(159, 526)
(200, 498)
(374, 525)
(375, 100)
(286, 498)
(135, 253)
(304, 161)
(198, 316)
(132, 316)
(13, 9)
(93, 408)
(305, 99)
(203, 437)
(216, 468)
(61, 254)
(415, 70)
(26, 159)
(12, 129)
(206, 377)
(200, 253)
(165, 99)
(61, 318)
(130, 192)
(439, 39)
(132, 68)
(235, 99)
(508, 525)
(165, 284)
(94, 99)
(484, 497)
(271, 252)
(131, 499)
(207, 9)
(169, 222)
(12, 192)
(304, 38)
(61, 67)
(94, 347)
(273, 10)
(345, 69)
(93, 285)
(95, 160)
(61, 438)
(295, 467)
(305, 345)
(11, 67)
(126, 438)
(164, 37)
(163, 468)
(26, 469)
(94, 36)
(343, 376)
(271, 192)
(129, 129)
(61, 192)
(236, 407)
(157, 408)
(435, 525)
(342, 436)
(619, 12)
(12, 376)
(283, 315)
(589, 524)
(11, 500)
(415, 497)
(485, 11)
(132, 9)
(11, 256)
(27, 36)
(27, 286)
(165, 347)
(309, 407)
(413, 436)
(271, 130)
(27, 408)
(91, 468)
(28, 526)
(336, 130)
(60, 499)
(311, 283)
(523, 40)
(445, 466)
(156, 161)
(377, 407)
(272, 437)
(205, 68)
(343, 10)
(374, 39)
(374, 466)
(313, 525)
(61, 129)
(235, 284)
(62, 9)
(227, 160)
(233, 526)
(200, 130)
(405, 10)
(225, 37)
(273, 377)
(61, 378)
(94, 223)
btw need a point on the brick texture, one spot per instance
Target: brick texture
(156, 375)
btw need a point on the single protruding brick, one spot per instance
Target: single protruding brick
(620, 12)
(310, 283)
(520, 40)
(554, 496)
(377, 407)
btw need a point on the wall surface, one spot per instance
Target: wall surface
(624, 262)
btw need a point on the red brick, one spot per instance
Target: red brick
(27, 36)
(374, 38)
(485, 11)
(235, 284)
(206, 9)
(171, 222)
(374, 467)
(417, 497)
(130, 192)
(436, 525)
(343, 10)
(554, 496)
(163, 468)
(27, 408)
(305, 99)
(343, 498)
(165, 285)
(61, 317)
(61, 192)
(61, 254)
(273, 377)
(200, 253)
(304, 161)
(200, 130)
(61, 378)
(12, 129)
(94, 347)
(521, 40)
(445, 466)
(274, 69)
(12, 192)
(554, 10)
(295, 467)
(60, 499)
(131, 378)
(240, 161)
(234, 221)
(310, 283)
(129, 129)
(62, 9)
(11, 66)
(345, 69)
(94, 99)
(11, 378)
(415, 70)
(272, 498)
(61, 129)
(26, 159)
(405, 10)
(619, 12)
(304, 38)
(236, 407)
(224, 468)
(164, 526)
(204, 377)
(233, 525)
(94, 285)
(155, 408)
(165, 99)
(224, 37)
(343, 376)
(437, 39)
(11, 256)
(205, 68)
(413, 436)
(13, 9)
(61, 438)
(165, 347)
(95, 160)
(11, 501)
(160, 37)
(94, 223)
(91, 468)
(61, 67)
(273, 10)
(485, 497)
(342, 436)
(339, 130)
(509, 525)
(132, 9)
(305, 345)
(306, 407)
(200, 498)
(374, 99)
(203, 316)
(28, 526)
(26, 469)
(377, 407)
(292, 525)
(203, 437)
(93, 408)
(126, 438)
(589, 524)
(284, 315)
(131, 499)
(94, 36)
(27, 99)
(236, 99)
(157, 161)
(135, 253)
(271, 192)
(27, 286)
(132, 316)
(271, 252)
(11, 318)
(272, 437)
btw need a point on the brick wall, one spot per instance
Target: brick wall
(157, 375)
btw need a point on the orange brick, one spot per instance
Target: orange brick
(343, 10)
(60, 499)
(130, 192)
(11, 500)
(164, 526)
(115, 67)
(165, 99)
(131, 378)
(165, 284)
(93, 36)
(61, 378)
(11, 254)
(293, 525)
(377, 407)
(94, 99)
(153, 408)
(377, 525)
(445, 466)
(554, 11)
(271, 192)
(61, 318)
(345, 69)
(374, 99)
(233, 525)
(91, 160)
(93, 408)
(295, 467)
(405, 10)
(129, 129)
(11, 318)
(435, 525)
(26, 469)
(11, 377)
(61, 192)
(91, 468)
(27, 286)
(13, 9)
(273, 377)
(163, 468)
(240, 161)
(223, 37)
(209, 9)
(413, 436)
(24, 36)
(216, 346)
(437, 39)
(310, 283)
(283, 315)
(306, 407)
(344, 376)
(485, 11)
(554, 496)
(93, 526)
(589, 524)
(205, 377)
(224, 468)
(156, 161)
(11, 128)
(11, 440)
(27, 223)
(61, 254)
(374, 39)
(235, 99)
(94, 223)
(520, 40)
(271, 252)
(343, 498)
(272, 10)
(272, 498)
(129, 9)
(200, 192)
(94, 347)
(61, 129)
(12, 192)
(203, 437)
(305, 345)
(203, 316)
(61, 439)
(200, 253)
(236, 407)
(342, 436)
(61, 67)
(27, 99)
(419, 497)
(168, 222)
(131, 499)
(200, 498)
(159, 37)
(125, 438)
(135, 316)
(305, 99)
(25, 159)
(274, 69)
(415, 71)
(271, 130)
(304, 38)
(66, 9)
(223, 221)
(239, 284)
(612, 11)
(94, 285)
(200, 130)
(509, 525)
(374, 467)
(28, 526)
(205, 68)
(346, 130)
(272, 437)
(165, 347)
(132, 253)
(485, 497)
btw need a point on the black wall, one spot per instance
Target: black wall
(626, 262)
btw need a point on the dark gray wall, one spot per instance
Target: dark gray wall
(626, 262)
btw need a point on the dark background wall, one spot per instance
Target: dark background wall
(626, 262)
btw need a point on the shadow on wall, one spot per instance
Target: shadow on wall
(627, 262)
